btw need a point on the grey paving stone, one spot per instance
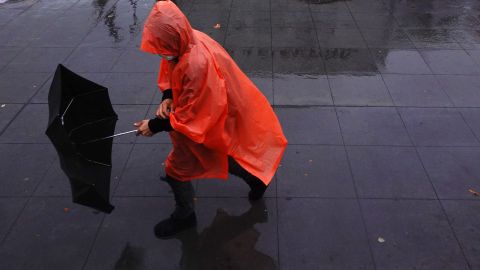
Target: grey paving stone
(143, 171)
(467, 38)
(45, 227)
(315, 171)
(108, 34)
(131, 88)
(372, 7)
(301, 90)
(334, 19)
(427, 38)
(349, 60)
(29, 126)
(462, 90)
(38, 59)
(294, 37)
(127, 116)
(386, 36)
(250, 5)
(20, 87)
(309, 125)
(290, 5)
(465, 222)
(475, 54)
(27, 25)
(365, 20)
(453, 171)
(133, 60)
(23, 167)
(10, 209)
(294, 19)
(450, 62)
(437, 127)
(7, 54)
(249, 37)
(67, 31)
(416, 91)
(298, 61)
(56, 183)
(337, 8)
(7, 15)
(400, 61)
(312, 235)
(89, 59)
(367, 90)
(7, 113)
(219, 35)
(208, 18)
(240, 18)
(389, 172)
(372, 126)
(42, 95)
(252, 60)
(472, 117)
(127, 236)
(416, 233)
(340, 38)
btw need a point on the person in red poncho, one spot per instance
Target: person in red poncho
(218, 121)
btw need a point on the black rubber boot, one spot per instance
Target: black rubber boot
(257, 187)
(184, 215)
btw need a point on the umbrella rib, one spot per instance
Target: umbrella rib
(73, 99)
(90, 123)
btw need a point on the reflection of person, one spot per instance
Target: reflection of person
(228, 243)
(218, 120)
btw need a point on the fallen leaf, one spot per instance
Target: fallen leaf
(381, 240)
(310, 161)
(66, 209)
(217, 26)
(475, 193)
(306, 174)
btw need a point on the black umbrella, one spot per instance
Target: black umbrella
(80, 126)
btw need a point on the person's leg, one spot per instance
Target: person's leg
(257, 187)
(183, 217)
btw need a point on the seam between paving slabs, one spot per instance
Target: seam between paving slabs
(36, 92)
(357, 199)
(436, 194)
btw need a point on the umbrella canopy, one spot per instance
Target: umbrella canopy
(80, 111)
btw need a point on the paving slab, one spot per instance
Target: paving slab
(23, 167)
(309, 125)
(19, 87)
(8, 113)
(29, 126)
(38, 59)
(301, 90)
(437, 127)
(411, 234)
(327, 239)
(10, 209)
(372, 126)
(465, 223)
(298, 61)
(46, 226)
(462, 90)
(400, 61)
(416, 91)
(315, 171)
(389, 172)
(357, 90)
(453, 171)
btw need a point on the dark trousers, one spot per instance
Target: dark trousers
(184, 193)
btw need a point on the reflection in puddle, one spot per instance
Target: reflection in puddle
(110, 19)
(132, 258)
(228, 243)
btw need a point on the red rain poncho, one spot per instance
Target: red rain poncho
(218, 111)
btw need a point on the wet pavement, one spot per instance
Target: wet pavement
(379, 99)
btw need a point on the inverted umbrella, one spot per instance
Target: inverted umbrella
(80, 126)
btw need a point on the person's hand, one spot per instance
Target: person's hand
(165, 108)
(143, 129)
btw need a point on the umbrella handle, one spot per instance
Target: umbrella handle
(111, 136)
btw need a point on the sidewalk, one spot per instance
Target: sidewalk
(379, 99)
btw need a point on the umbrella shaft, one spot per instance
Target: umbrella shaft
(108, 137)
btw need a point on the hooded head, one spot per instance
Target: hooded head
(167, 31)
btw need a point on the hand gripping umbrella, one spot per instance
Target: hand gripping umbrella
(81, 126)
